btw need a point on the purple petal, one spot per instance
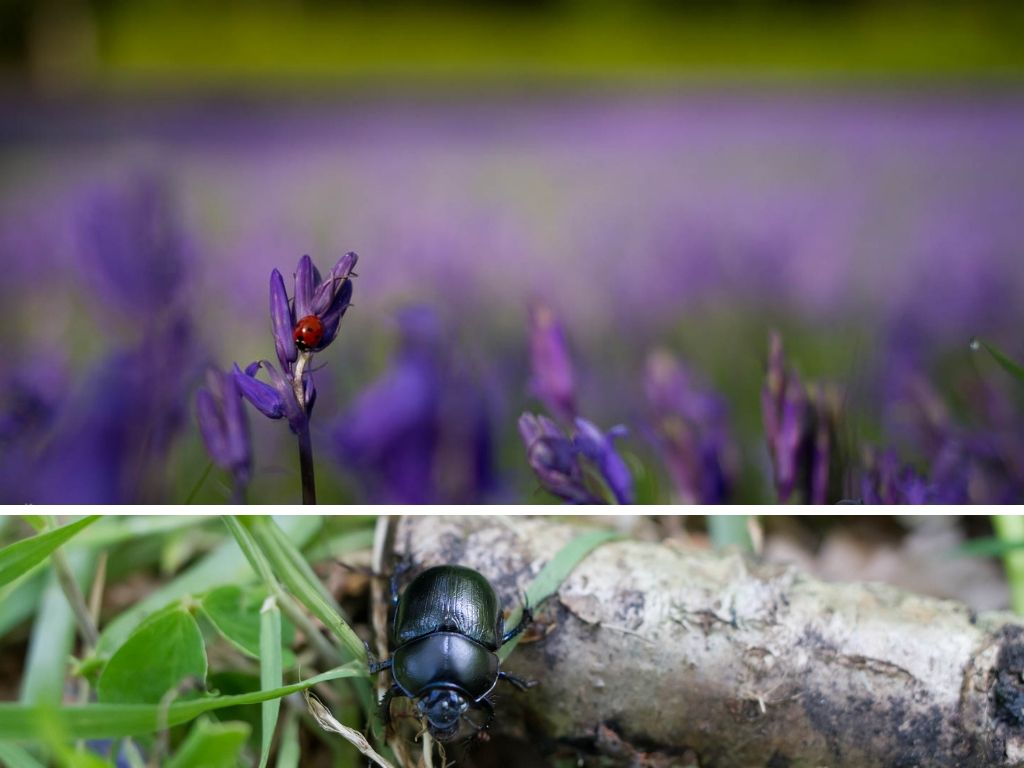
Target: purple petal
(264, 398)
(283, 321)
(332, 318)
(292, 411)
(599, 449)
(306, 281)
(327, 292)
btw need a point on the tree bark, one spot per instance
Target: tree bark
(653, 656)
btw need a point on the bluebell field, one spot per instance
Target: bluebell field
(714, 295)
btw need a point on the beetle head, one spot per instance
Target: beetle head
(443, 707)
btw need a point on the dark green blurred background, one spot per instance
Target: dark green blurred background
(133, 43)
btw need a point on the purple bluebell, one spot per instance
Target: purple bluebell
(800, 430)
(300, 329)
(224, 426)
(115, 428)
(690, 430)
(326, 300)
(421, 432)
(134, 251)
(553, 381)
(584, 468)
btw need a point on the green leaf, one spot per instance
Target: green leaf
(270, 672)
(235, 614)
(19, 557)
(112, 721)
(225, 565)
(211, 745)
(1013, 368)
(13, 756)
(19, 600)
(553, 574)
(164, 651)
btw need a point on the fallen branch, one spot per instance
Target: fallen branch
(654, 656)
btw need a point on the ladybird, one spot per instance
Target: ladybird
(308, 332)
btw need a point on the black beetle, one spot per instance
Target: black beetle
(446, 629)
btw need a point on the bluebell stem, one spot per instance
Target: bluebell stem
(690, 431)
(582, 469)
(225, 429)
(301, 329)
(553, 381)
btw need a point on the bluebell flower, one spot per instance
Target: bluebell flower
(553, 381)
(300, 328)
(800, 430)
(690, 431)
(421, 432)
(584, 468)
(323, 302)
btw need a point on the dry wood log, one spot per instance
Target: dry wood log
(653, 656)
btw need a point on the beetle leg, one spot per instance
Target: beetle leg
(481, 729)
(379, 666)
(385, 703)
(518, 682)
(524, 622)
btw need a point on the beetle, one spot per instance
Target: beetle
(446, 629)
(308, 332)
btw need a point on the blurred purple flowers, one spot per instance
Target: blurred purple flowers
(553, 381)
(224, 427)
(582, 467)
(800, 429)
(691, 432)
(421, 432)
(133, 248)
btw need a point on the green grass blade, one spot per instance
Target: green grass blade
(13, 756)
(53, 636)
(295, 573)
(341, 545)
(288, 751)
(21, 556)
(225, 565)
(252, 551)
(211, 745)
(1016, 370)
(19, 722)
(729, 532)
(19, 600)
(1010, 528)
(988, 547)
(553, 574)
(271, 675)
